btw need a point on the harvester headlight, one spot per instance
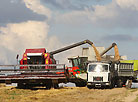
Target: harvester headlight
(25, 59)
(46, 61)
(45, 55)
(25, 55)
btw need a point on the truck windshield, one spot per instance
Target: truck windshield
(98, 68)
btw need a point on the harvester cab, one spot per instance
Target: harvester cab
(36, 56)
(79, 61)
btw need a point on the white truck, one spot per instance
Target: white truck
(109, 74)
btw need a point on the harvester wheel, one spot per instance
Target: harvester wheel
(48, 86)
(81, 83)
(21, 86)
(56, 86)
(89, 87)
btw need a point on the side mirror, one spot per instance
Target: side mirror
(17, 56)
(70, 61)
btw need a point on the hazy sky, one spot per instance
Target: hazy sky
(56, 23)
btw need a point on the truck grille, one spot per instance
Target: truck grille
(97, 78)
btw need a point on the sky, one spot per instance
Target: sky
(53, 24)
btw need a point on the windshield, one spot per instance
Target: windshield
(75, 62)
(35, 60)
(98, 68)
(80, 62)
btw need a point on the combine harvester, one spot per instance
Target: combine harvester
(39, 68)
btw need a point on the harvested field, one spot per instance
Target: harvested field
(67, 94)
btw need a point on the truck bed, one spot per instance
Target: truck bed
(125, 69)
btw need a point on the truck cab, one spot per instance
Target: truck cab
(98, 75)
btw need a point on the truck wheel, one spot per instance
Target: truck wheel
(110, 87)
(119, 83)
(112, 84)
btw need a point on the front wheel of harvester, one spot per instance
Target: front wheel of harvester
(48, 86)
(89, 86)
(56, 86)
(21, 86)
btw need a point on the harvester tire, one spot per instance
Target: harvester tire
(21, 86)
(48, 86)
(56, 86)
(89, 87)
(80, 84)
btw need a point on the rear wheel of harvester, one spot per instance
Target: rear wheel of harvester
(81, 83)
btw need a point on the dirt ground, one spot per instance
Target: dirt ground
(67, 94)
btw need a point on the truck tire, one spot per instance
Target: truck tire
(112, 84)
(119, 83)
(80, 84)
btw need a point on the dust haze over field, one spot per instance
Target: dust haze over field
(67, 94)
